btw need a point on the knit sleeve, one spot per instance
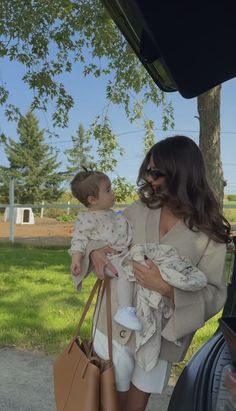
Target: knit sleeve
(192, 309)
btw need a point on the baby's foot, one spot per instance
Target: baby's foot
(126, 316)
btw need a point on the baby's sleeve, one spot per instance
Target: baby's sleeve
(83, 228)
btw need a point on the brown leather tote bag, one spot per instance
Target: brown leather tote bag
(82, 380)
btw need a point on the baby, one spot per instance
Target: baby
(100, 222)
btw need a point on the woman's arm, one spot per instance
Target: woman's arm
(100, 262)
(192, 310)
(94, 260)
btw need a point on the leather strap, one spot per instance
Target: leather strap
(109, 321)
(96, 287)
(106, 286)
(100, 287)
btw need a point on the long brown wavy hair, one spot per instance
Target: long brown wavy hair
(185, 191)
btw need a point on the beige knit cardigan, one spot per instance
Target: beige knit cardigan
(191, 309)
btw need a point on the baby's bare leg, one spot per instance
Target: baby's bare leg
(124, 287)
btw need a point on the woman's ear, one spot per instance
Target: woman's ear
(92, 200)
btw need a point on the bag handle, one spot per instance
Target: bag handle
(106, 286)
(109, 321)
(99, 286)
(96, 288)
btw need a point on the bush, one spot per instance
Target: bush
(58, 212)
(65, 217)
(230, 214)
(231, 197)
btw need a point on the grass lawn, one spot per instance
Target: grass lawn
(39, 307)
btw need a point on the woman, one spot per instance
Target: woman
(178, 208)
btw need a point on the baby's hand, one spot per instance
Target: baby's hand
(75, 267)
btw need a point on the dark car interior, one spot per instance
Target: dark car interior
(189, 47)
(201, 386)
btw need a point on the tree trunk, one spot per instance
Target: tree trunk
(209, 139)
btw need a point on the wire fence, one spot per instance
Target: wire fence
(11, 209)
(12, 216)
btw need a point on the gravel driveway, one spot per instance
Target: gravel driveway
(26, 383)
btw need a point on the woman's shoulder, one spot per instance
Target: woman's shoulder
(212, 244)
(214, 247)
(204, 242)
(136, 205)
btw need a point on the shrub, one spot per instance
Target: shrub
(230, 214)
(231, 197)
(65, 217)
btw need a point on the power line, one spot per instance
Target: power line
(124, 133)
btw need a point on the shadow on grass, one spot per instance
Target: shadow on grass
(21, 256)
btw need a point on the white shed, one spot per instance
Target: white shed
(21, 215)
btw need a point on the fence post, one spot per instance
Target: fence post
(68, 208)
(42, 210)
(11, 210)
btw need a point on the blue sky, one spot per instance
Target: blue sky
(89, 94)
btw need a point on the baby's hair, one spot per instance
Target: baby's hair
(86, 183)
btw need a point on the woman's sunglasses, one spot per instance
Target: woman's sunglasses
(154, 173)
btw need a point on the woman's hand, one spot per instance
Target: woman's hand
(100, 261)
(148, 276)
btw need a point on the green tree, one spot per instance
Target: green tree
(80, 153)
(49, 37)
(32, 163)
(4, 185)
(107, 145)
(123, 189)
(149, 138)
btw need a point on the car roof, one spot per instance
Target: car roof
(186, 46)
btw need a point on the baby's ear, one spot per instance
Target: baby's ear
(92, 200)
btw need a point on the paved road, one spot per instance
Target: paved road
(26, 383)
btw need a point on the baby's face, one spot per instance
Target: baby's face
(106, 197)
